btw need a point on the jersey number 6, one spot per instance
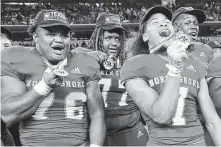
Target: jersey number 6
(73, 102)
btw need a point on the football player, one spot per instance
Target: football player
(187, 20)
(216, 46)
(123, 120)
(214, 84)
(6, 36)
(9, 136)
(51, 92)
(166, 84)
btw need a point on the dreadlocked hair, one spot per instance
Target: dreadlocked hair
(97, 38)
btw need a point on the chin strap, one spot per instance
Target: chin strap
(156, 48)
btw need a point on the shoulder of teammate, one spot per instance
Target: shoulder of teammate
(82, 49)
(199, 66)
(136, 67)
(205, 48)
(13, 58)
(87, 60)
(214, 67)
(91, 66)
(14, 53)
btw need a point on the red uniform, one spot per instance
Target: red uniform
(185, 127)
(213, 72)
(214, 68)
(203, 52)
(62, 118)
(122, 116)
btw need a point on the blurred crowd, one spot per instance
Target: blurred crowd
(85, 13)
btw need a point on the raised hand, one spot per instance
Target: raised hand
(177, 52)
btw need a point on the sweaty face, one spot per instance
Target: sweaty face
(5, 42)
(158, 29)
(189, 25)
(53, 42)
(111, 42)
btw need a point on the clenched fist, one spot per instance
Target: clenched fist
(51, 79)
(177, 51)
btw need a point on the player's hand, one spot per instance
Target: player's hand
(177, 53)
(98, 55)
(51, 79)
(177, 50)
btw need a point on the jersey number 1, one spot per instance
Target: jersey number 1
(178, 118)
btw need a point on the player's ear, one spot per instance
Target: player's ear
(35, 37)
(175, 27)
(145, 37)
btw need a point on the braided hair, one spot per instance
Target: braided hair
(97, 38)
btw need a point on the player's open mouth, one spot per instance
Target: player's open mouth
(164, 33)
(58, 49)
(194, 34)
(112, 50)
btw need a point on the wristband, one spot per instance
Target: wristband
(173, 69)
(94, 145)
(42, 88)
(173, 74)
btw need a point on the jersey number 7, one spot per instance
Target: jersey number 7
(107, 85)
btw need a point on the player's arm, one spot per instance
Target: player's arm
(160, 107)
(214, 82)
(6, 137)
(212, 120)
(95, 105)
(215, 93)
(17, 103)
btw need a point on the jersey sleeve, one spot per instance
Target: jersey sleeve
(92, 68)
(81, 49)
(214, 68)
(8, 63)
(132, 69)
(210, 52)
(201, 71)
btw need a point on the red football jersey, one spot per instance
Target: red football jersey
(203, 52)
(62, 118)
(214, 71)
(120, 110)
(185, 127)
(214, 68)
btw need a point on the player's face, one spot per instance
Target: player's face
(53, 42)
(5, 42)
(111, 42)
(189, 25)
(158, 29)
